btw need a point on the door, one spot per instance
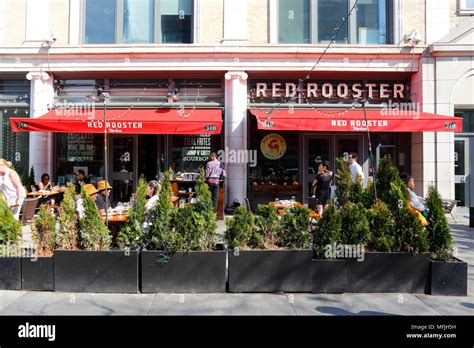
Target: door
(461, 171)
(345, 144)
(123, 169)
(317, 149)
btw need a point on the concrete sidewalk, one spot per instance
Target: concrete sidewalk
(55, 303)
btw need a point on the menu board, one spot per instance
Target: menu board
(80, 147)
(196, 148)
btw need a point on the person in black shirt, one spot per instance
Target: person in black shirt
(321, 186)
(102, 200)
(81, 180)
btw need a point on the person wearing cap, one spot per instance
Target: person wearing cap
(102, 200)
(92, 192)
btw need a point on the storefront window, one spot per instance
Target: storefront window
(467, 120)
(138, 21)
(330, 14)
(14, 147)
(372, 22)
(79, 151)
(190, 152)
(99, 21)
(176, 21)
(293, 20)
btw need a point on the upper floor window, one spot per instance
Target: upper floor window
(137, 21)
(316, 21)
(466, 7)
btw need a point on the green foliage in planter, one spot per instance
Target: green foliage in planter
(67, 236)
(387, 177)
(241, 232)
(191, 226)
(356, 192)
(32, 181)
(161, 217)
(205, 208)
(343, 180)
(25, 180)
(10, 228)
(327, 231)
(368, 196)
(439, 234)
(44, 231)
(381, 226)
(355, 227)
(94, 234)
(131, 235)
(268, 223)
(294, 233)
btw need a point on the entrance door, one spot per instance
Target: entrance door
(123, 168)
(317, 149)
(461, 171)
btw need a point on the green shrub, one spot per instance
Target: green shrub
(327, 231)
(356, 192)
(355, 227)
(382, 227)
(191, 225)
(131, 235)
(268, 223)
(32, 181)
(205, 208)
(343, 180)
(439, 234)
(294, 233)
(241, 231)
(44, 232)
(387, 177)
(10, 228)
(368, 196)
(67, 235)
(94, 234)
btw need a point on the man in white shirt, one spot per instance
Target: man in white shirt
(355, 167)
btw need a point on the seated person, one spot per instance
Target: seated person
(414, 200)
(45, 184)
(102, 200)
(153, 191)
(92, 192)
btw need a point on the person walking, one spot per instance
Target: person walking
(214, 172)
(11, 187)
(321, 186)
(355, 168)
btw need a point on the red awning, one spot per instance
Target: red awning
(354, 121)
(124, 121)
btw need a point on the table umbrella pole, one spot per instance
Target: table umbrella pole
(106, 169)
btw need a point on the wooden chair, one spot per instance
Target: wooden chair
(247, 205)
(29, 209)
(448, 206)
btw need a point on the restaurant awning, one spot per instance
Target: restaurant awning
(354, 121)
(124, 121)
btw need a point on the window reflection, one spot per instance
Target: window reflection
(138, 21)
(176, 21)
(293, 19)
(330, 15)
(100, 21)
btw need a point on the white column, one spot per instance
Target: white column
(236, 133)
(235, 22)
(41, 144)
(36, 20)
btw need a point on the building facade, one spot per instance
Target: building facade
(243, 58)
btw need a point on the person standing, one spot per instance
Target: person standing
(81, 180)
(11, 187)
(214, 172)
(355, 167)
(322, 186)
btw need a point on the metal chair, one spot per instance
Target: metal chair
(28, 210)
(247, 205)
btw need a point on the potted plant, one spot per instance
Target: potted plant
(37, 266)
(10, 261)
(180, 253)
(85, 263)
(269, 254)
(448, 273)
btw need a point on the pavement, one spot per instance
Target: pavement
(57, 303)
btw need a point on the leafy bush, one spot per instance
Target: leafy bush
(241, 231)
(268, 224)
(294, 233)
(10, 228)
(355, 227)
(356, 192)
(387, 177)
(327, 231)
(94, 234)
(439, 234)
(205, 208)
(131, 235)
(44, 232)
(381, 226)
(67, 235)
(190, 226)
(343, 180)
(368, 196)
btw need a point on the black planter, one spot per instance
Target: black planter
(449, 278)
(183, 272)
(389, 272)
(329, 276)
(270, 271)
(96, 271)
(10, 273)
(37, 273)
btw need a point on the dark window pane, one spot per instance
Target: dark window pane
(100, 22)
(372, 22)
(468, 120)
(293, 21)
(330, 16)
(138, 21)
(459, 157)
(176, 21)
(14, 147)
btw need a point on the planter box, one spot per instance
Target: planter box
(449, 278)
(37, 273)
(10, 273)
(96, 271)
(270, 271)
(183, 272)
(329, 276)
(389, 272)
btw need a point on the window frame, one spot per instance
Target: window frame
(119, 7)
(463, 10)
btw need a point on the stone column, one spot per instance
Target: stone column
(41, 144)
(236, 133)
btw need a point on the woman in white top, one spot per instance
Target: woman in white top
(152, 190)
(11, 187)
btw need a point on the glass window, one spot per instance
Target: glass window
(293, 21)
(176, 21)
(470, 4)
(100, 21)
(14, 147)
(190, 152)
(372, 22)
(467, 120)
(138, 21)
(330, 15)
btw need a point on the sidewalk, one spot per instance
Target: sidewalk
(54, 303)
